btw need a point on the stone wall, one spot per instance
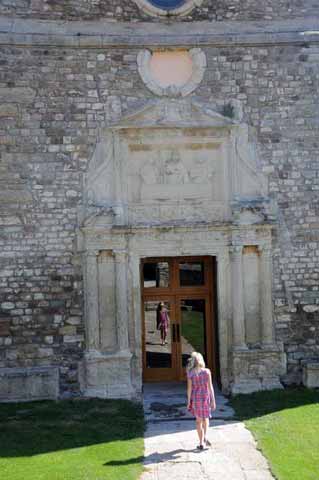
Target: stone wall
(118, 10)
(54, 101)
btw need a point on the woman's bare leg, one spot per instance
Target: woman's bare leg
(205, 427)
(162, 336)
(200, 431)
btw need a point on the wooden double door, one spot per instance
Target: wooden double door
(182, 288)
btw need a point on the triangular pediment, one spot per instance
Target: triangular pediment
(184, 113)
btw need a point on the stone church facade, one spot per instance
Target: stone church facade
(157, 129)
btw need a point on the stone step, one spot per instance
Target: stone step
(166, 402)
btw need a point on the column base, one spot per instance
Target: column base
(240, 348)
(258, 369)
(269, 346)
(107, 375)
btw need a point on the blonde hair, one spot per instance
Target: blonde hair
(196, 360)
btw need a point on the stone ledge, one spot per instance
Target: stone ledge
(258, 369)
(27, 384)
(310, 373)
(106, 375)
(102, 34)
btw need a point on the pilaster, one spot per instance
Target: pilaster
(121, 267)
(92, 301)
(267, 336)
(239, 341)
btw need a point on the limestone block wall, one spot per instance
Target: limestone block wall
(127, 10)
(53, 103)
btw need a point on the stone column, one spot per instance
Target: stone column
(266, 296)
(238, 298)
(92, 302)
(121, 266)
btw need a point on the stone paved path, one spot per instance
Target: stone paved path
(170, 449)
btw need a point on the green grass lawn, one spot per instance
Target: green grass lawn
(71, 440)
(285, 424)
(193, 330)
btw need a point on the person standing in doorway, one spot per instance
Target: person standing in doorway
(200, 396)
(162, 321)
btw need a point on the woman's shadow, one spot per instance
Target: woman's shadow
(153, 458)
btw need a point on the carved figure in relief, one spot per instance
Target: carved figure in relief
(150, 173)
(201, 173)
(175, 171)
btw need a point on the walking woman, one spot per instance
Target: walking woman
(200, 396)
(162, 321)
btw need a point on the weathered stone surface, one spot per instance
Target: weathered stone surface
(37, 383)
(8, 110)
(107, 376)
(310, 377)
(17, 94)
(4, 327)
(10, 220)
(259, 369)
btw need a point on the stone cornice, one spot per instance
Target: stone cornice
(203, 227)
(22, 32)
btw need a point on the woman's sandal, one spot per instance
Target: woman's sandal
(200, 447)
(207, 442)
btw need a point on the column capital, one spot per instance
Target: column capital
(236, 251)
(92, 253)
(223, 258)
(106, 256)
(265, 250)
(120, 255)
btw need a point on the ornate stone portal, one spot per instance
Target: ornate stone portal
(177, 179)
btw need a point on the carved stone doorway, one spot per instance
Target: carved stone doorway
(171, 180)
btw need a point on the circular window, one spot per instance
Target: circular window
(167, 4)
(168, 7)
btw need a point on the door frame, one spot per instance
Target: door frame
(209, 330)
(162, 374)
(175, 293)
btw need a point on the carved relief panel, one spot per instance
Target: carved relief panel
(177, 173)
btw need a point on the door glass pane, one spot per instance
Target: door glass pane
(158, 343)
(193, 329)
(156, 274)
(191, 274)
